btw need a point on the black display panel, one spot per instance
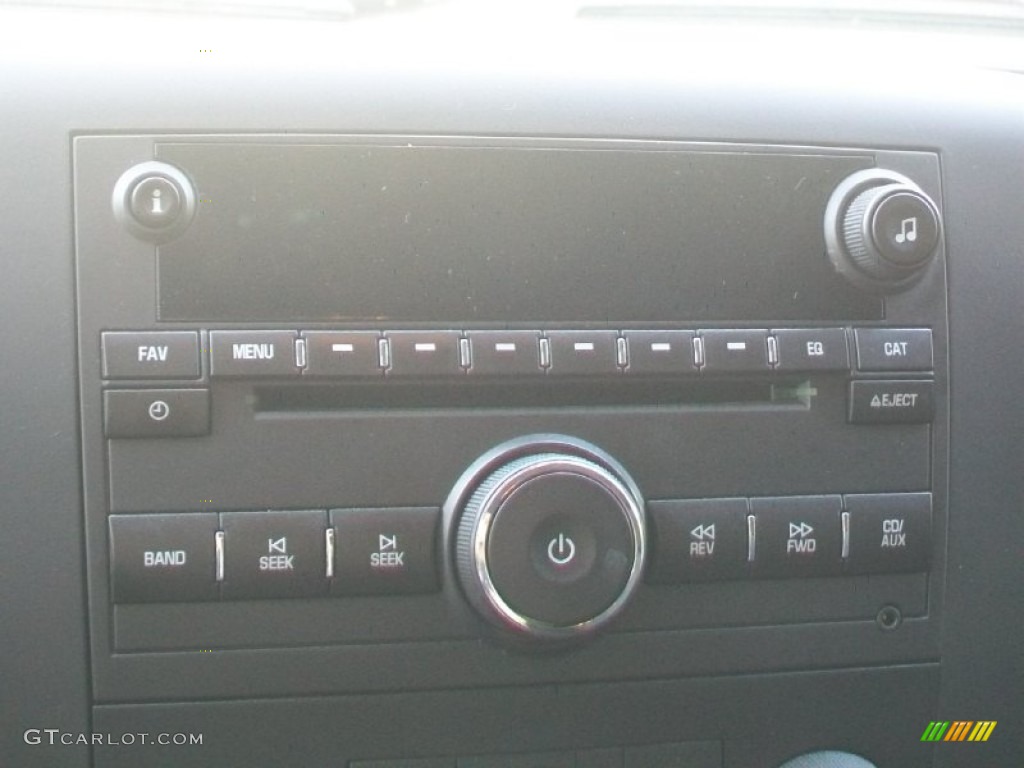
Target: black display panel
(458, 233)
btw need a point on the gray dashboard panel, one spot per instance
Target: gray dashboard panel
(973, 120)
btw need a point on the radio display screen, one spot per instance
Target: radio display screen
(589, 231)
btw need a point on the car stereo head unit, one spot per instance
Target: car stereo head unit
(364, 400)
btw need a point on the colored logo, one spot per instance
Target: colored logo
(959, 730)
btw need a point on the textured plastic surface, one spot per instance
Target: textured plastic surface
(972, 119)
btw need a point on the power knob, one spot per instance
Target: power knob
(881, 230)
(550, 537)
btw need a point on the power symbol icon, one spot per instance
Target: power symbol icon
(561, 550)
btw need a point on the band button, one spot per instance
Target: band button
(162, 558)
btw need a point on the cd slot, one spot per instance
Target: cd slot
(508, 395)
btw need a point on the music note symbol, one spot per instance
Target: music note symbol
(908, 231)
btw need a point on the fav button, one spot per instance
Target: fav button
(274, 554)
(385, 551)
(158, 355)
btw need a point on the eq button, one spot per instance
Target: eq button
(812, 349)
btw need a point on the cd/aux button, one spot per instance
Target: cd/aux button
(889, 532)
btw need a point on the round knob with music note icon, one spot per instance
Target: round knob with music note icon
(882, 230)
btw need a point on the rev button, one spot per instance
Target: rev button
(274, 554)
(698, 539)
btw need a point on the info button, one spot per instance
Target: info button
(384, 551)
